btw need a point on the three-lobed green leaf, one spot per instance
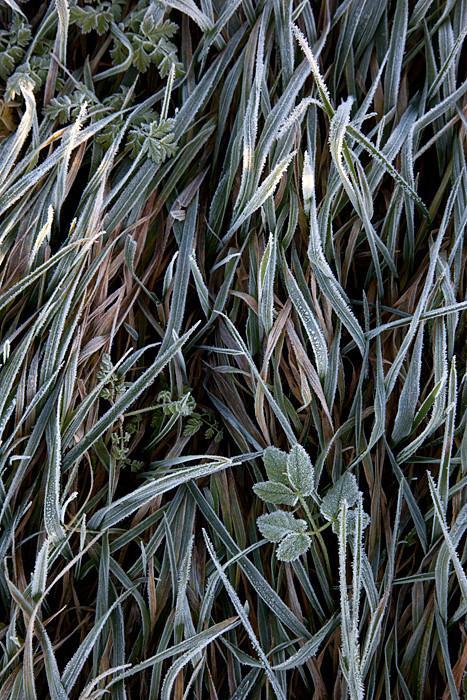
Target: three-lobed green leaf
(275, 492)
(293, 546)
(275, 463)
(275, 526)
(300, 471)
(346, 488)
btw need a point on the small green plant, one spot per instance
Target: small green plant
(13, 43)
(114, 386)
(183, 406)
(291, 482)
(96, 15)
(113, 381)
(203, 419)
(184, 409)
(144, 32)
(154, 137)
(120, 445)
(149, 36)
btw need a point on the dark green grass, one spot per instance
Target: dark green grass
(228, 226)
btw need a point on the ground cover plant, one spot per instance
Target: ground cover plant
(233, 452)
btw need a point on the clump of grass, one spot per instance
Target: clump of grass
(232, 340)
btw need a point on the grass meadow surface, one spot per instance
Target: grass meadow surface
(233, 457)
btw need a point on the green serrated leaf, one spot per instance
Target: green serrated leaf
(300, 471)
(275, 492)
(275, 463)
(345, 488)
(275, 526)
(293, 546)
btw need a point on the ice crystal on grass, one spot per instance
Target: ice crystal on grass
(232, 326)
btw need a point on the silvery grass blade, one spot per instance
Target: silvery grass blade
(250, 123)
(410, 392)
(264, 589)
(196, 643)
(415, 512)
(214, 583)
(108, 516)
(308, 650)
(182, 275)
(379, 405)
(264, 191)
(76, 663)
(63, 167)
(41, 566)
(15, 290)
(396, 53)
(436, 399)
(61, 40)
(439, 109)
(14, 6)
(440, 518)
(201, 287)
(244, 688)
(10, 150)
(282, 418)
(385, 162)
(123, 365)
(278, 691)
(88, 693)
(309, 321)
(52, 513)
(203, 639)
(442, 631)
(213, 35)
(392, 374)
(189, 8)
(26, 182)
(103, 593)
(329, 284)
(281, 112)
(206, 85)
(350, 662)
(322, 88)
(443, 565)
(16, 359)
(445, 464)
(183, 623)
(266, 278)
(55, 687)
